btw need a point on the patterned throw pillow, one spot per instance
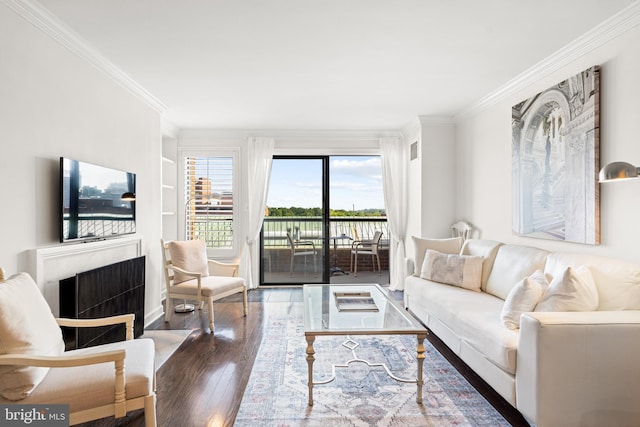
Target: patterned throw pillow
(464, 271)
(421, 245)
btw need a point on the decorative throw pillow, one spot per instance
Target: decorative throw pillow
(27, 326)
(464, 271)
(522, 298)
(573, 290)
(189, 255)
(445, 246)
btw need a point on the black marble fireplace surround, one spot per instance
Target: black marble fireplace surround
(105, 291)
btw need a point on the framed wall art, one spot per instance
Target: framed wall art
(555, 161)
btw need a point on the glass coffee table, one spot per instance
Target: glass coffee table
(331, 310)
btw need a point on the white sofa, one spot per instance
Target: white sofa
(578, 368)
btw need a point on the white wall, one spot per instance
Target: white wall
(54, 103)
(483, 189)
(438, 176)
(413, 134)
(432, 179)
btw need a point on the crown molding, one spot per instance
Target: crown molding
(169, 129)
(410, 129)
(437, 120)
(625, 20)
(290, 135)
(48, 23)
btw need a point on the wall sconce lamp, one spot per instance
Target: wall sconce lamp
(618, 171)
(128, 197)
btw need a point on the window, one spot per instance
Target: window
(210, 202)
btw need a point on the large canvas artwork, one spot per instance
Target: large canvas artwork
(555, 161)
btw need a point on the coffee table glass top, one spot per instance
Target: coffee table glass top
(322, 315)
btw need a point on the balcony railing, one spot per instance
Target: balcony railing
(278, 260)
(274, 229)
(217, 230)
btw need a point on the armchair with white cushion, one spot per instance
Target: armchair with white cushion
(191, 276)
(96, 382)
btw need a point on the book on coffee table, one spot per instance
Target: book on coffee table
(355, 301)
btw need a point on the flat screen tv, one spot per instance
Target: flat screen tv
(96, 202)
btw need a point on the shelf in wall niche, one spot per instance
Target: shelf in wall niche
(168, 213)
(167, 160)
(168, 187)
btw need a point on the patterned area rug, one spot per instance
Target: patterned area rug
(277, 393)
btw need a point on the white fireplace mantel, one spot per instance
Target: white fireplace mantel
(48, 265)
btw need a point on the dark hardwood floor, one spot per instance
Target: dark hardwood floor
(203, 382)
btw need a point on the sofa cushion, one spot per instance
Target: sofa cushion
(523, 298)
(25, 331)
(420, 246)
(617, 281)
(189, 255)
(473, 316)
(484, 248)
(464, 271)
(512, 264)
(573, 290)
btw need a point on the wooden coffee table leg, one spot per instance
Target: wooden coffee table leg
(310, 359)
(421, 338)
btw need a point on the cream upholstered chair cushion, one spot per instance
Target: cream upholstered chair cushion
(212, 286)
(188, 255)
(86, 387)
(25, 331)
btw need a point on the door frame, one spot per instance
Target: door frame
(326, 264)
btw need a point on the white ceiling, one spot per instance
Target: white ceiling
(330, 64)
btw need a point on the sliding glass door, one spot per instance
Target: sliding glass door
(317, 208)
(294, 234)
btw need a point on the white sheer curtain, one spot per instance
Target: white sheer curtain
(394, 184)
(259, 158)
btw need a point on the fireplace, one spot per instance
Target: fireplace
(101, 292)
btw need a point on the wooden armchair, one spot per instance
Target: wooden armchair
(96, 382)
(190, 276)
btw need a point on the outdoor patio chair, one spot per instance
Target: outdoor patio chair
(301, 248)
(366, 247)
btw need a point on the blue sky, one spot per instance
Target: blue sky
(355, 182)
